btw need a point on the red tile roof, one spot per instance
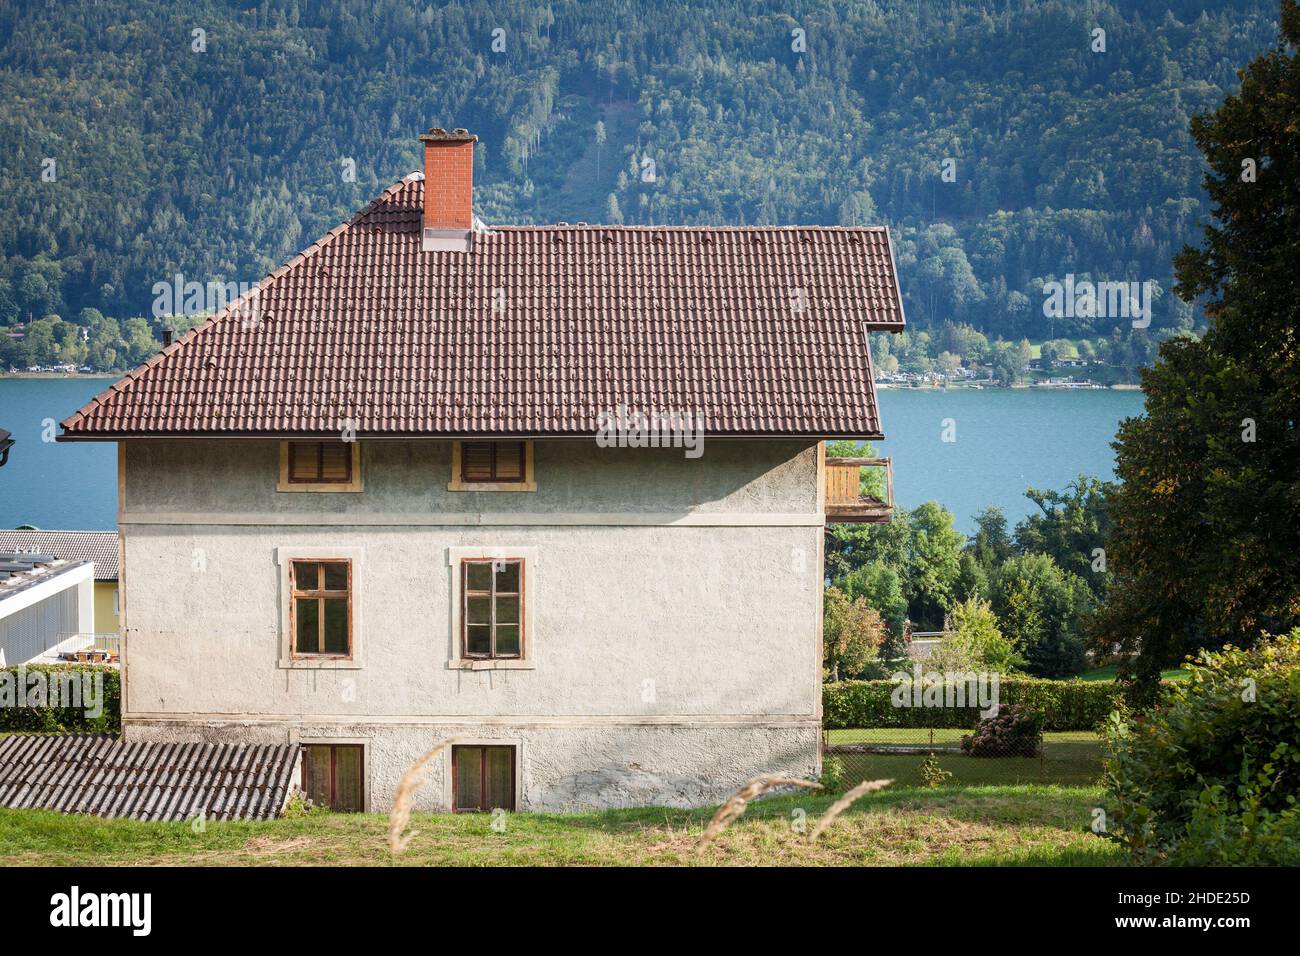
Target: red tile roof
(763, 330)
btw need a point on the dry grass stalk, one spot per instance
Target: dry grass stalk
(400, 815)
(730, 811)
(844, 802)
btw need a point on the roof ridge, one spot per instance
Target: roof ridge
(53, 531)
(524, 227)
(133, 375)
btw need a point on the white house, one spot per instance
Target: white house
(383, 501)
(46, 605)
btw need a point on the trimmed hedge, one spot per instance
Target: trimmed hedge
(59, 720)
(1064, 704)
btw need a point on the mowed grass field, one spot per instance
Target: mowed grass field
(1069, 758)
(965, 826)
(1111, 671)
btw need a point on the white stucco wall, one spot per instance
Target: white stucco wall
(675, 613)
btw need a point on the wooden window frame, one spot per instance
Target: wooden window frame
(458, 482)
(333, 746)
(483, 764)
(286, 483)
(492, 596)
(320, 594)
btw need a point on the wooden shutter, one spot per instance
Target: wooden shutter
(320, 462)
(476, 461)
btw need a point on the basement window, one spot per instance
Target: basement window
(492, 466)
(333, 775)
(320, 609)
(320, 466)
(492, 608)
(483, 778)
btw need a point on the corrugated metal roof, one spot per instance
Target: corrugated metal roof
(19, 576)
(100, 775)
(536, 331)
(97, 546)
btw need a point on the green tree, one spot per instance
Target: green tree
(933, 563)
(881, 586)
(139, 339)
(1039, 608)
(41, 345)
(1205, 540)
(851, 546)
(1071, 527)
(852, 632)
(974, 642)
(991, 544)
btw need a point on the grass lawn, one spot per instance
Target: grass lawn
(1111, 671)
(1069, 758)
(965, 826)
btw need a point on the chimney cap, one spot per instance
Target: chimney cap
(437, 134)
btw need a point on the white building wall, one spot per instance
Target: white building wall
(41, 616)
(676, 613)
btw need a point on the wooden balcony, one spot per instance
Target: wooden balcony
(850, 497)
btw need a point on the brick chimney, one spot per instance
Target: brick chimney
(448, 189)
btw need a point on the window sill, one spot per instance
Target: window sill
(463, 664)
(491, 486)
(320, 664)
(318, 488)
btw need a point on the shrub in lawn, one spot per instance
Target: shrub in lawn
(832, 779)
(1016, 731)
(1211, 776)
(932, 775)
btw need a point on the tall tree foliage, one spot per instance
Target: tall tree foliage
(1205, 544)
(224, 161)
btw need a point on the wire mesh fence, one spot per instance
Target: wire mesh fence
(958, 757)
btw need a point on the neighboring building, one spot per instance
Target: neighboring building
(46, 606)
(594, 626)
(101, 775)
(97, 546)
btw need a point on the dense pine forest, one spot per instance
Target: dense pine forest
(1007, 142)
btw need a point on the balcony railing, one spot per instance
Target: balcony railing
(859, 490)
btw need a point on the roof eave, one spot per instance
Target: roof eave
(447, 436)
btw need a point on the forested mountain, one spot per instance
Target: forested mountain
(216, 139)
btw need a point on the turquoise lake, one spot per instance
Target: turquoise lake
(1006, 441)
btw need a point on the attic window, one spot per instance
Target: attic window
(326, 462)
(320, 466)
(492, 466)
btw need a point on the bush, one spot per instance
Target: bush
(933, 775)
(1065, 705)
(59, 720)
(1211, 776)
(1015, 731)
(852, 634)
(832, 780)
(974, 642)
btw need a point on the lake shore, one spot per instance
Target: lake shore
(60, 375)
(983, 386)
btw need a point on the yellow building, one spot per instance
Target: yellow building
(97, 546)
